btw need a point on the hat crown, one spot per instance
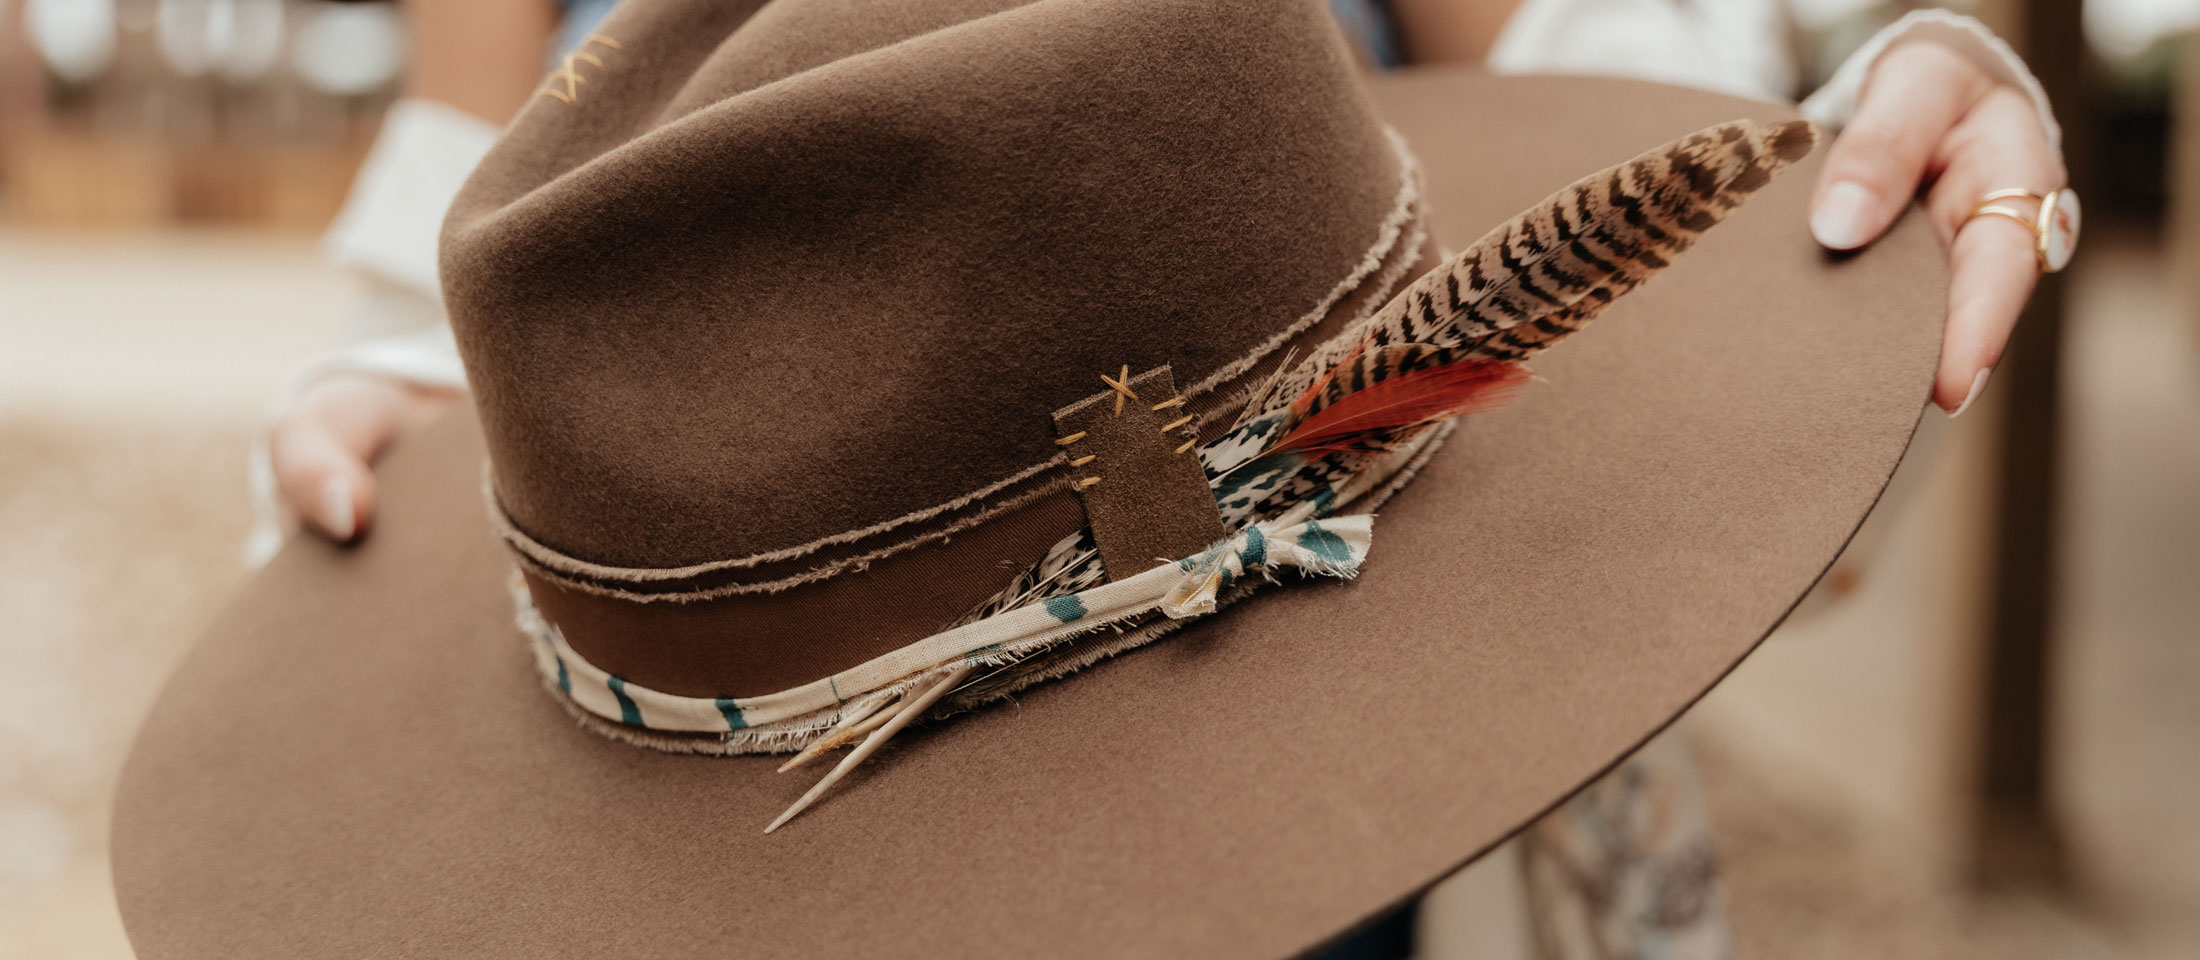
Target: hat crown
(747, 278)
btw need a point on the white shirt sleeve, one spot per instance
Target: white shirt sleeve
(1834, 105)
(390, 222)
(1731, 46)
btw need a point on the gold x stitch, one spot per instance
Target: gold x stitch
(1121, 387)
(569, 69)
(572, 78)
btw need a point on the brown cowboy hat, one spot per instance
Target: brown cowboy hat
(786, 325)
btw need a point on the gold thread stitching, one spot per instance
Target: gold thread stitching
(1166, 404)
(1072, 438)
(1188, 444)
(1087, 458)
(1187, 419)
(569, 70)
(1121, 387)
(572, 78)
(1087, 482)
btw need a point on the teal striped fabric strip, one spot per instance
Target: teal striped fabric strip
(629, 713)
(1302, 537)
(1189, 589)
(732, 712)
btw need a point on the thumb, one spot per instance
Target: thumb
(328, 483)
(321, 451)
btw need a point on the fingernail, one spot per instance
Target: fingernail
(336, 504)
(1839, 222)
(1978, 386)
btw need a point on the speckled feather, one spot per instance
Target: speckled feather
(1547, 272)
(1519, 289)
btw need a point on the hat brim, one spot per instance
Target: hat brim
(358, 760)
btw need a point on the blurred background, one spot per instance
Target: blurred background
(1980, 737)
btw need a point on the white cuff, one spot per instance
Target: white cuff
(1834, 105)
(391, 222)
(428, 358)
(1733, 46)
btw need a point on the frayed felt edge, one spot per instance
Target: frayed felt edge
(528, 554)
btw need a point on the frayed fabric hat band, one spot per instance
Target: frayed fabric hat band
(1302, 537)
(1185, 589)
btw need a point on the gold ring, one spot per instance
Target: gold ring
(2053, 219)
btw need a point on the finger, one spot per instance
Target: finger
(1992, 263)
(1917, 92)
(323, 478)
(1992, 272)
(1998, 144)
(324, 446)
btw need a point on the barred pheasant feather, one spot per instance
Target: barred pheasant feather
(1452, 343)
(1533, 281)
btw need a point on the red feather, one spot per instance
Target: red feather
(1406, 400)
(1306, 397)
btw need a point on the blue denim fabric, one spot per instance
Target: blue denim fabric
(1368, 24)
(581, 18)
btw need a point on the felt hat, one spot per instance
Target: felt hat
(1030, 375)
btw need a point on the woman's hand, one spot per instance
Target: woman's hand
(323, 446)
(1930, 119)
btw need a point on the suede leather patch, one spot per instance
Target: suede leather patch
(1133, 447)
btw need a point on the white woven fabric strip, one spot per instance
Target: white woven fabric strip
(1300, 539)
(1188, 588)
